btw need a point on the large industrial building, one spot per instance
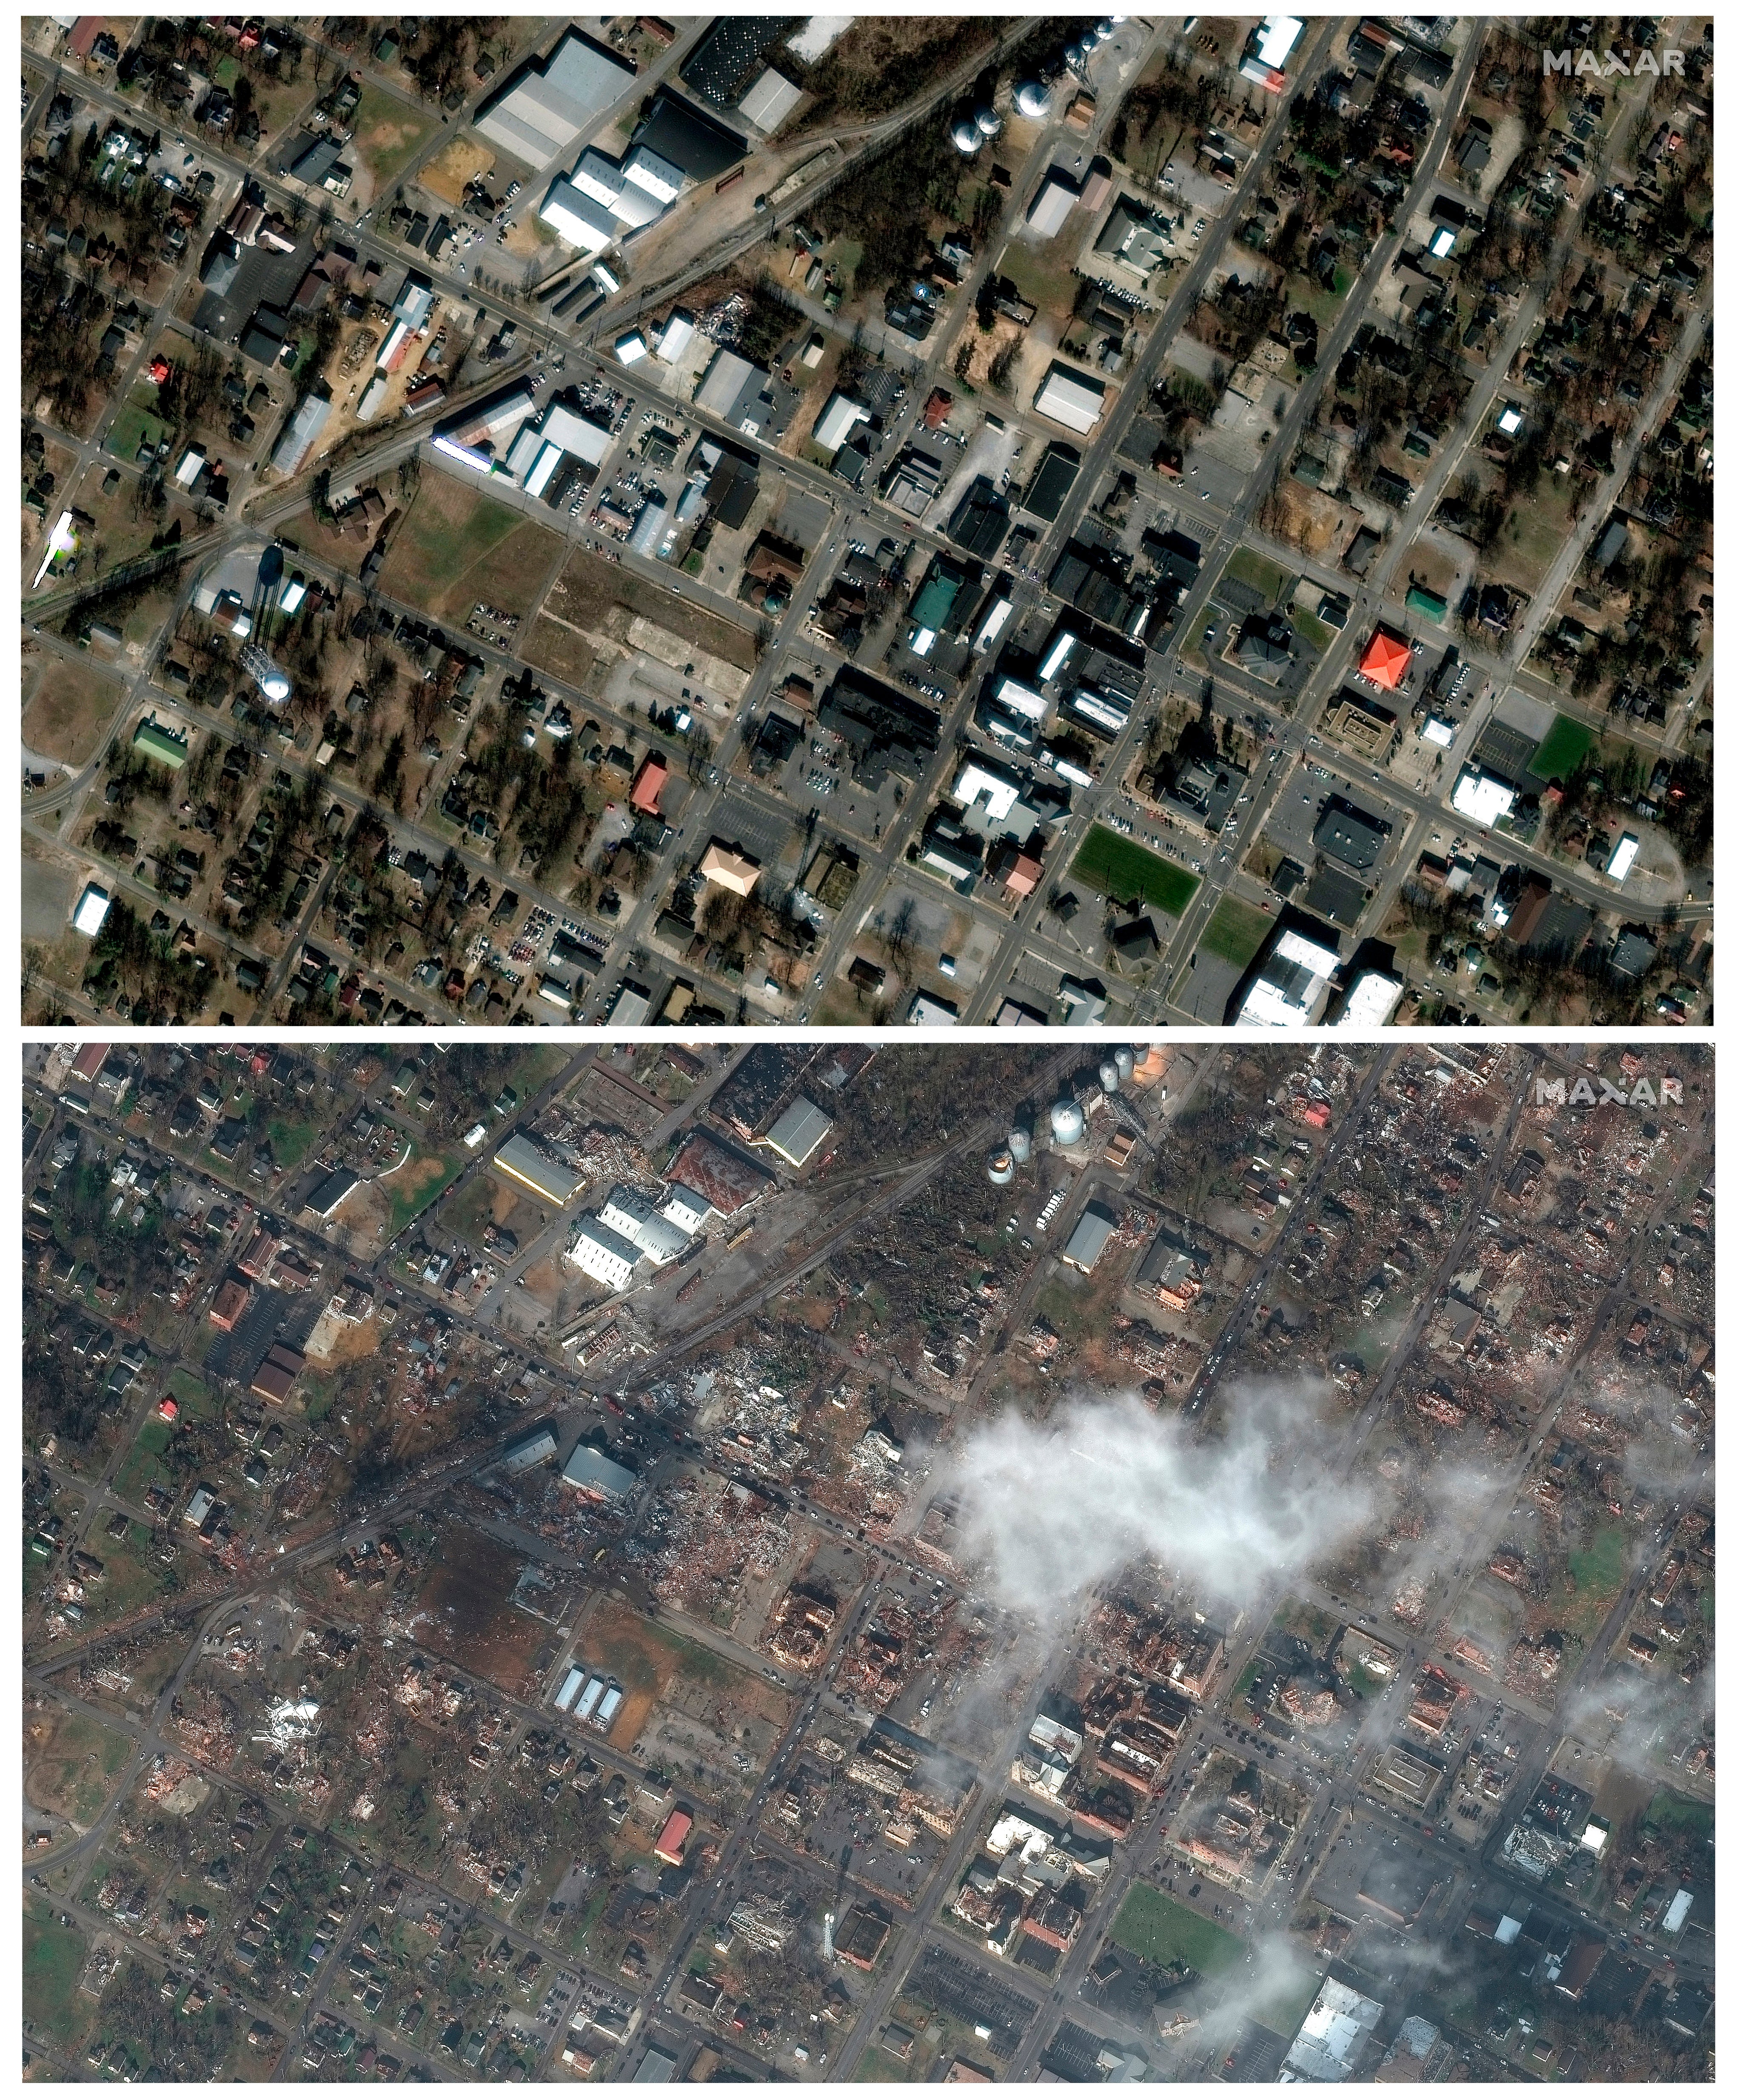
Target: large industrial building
(544, 108)
(518, 1161)
(594, 1475)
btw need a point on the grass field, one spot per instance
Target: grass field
(1235, 932)
(52, 1959)
(1257, 572)
(456, 547)
(590, 589)
(1561, 751)
(387, 133)
(1117, 867)
(66, 714)
(133, 427)
(415, 1186)
(1672, 1812)
(1163, 1932)
(1314, 631)
(292, 1141)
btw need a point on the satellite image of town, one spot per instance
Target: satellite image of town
(840, 520)
(939, 1562)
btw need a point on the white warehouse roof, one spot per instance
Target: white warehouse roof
(838, 419)
(769, 101)
(800, 1131)
(579, 220)
(1071, 397)
(544, 108)
(1481, 797)
(1051, 206)
(1288, 990)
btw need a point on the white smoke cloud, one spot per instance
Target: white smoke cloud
(1053, 1509)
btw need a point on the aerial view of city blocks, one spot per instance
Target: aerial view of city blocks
(841, 520)
(929, 1561)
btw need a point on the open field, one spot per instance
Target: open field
(562, 650)
(1117, 867)
(415, 1185)
(69, 1761)
(456, 547)
(389, 134)
(52, 1958)
(1561, 751)
(1162, 1931)
(467, 1614)
(1235, 932)
(69, 708)
(602, 597)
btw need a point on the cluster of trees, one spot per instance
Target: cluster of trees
(887, 201)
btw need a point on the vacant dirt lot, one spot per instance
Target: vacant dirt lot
(456, 549)
(600, 596)
(468, 1616)
(69, 706)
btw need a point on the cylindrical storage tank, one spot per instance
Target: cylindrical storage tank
(1124, 1060)
(1032, 98)
(1001, 1167)
(966, 135)
(988, 123)
(1019, 1143)
(1066, 1122)
(1109, 1077)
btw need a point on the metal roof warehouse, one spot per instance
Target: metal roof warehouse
(519, 1160)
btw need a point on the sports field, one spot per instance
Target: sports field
(1117, 868)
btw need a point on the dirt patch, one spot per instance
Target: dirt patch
(561, 650)
(68, 1762)
(457, 548)
(455, 165)
(70, 708)
(597, 596)
(466, 1612)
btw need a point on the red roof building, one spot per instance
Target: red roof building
(673, 1838)
(648, 786)
(936, 408)
(1385, 660)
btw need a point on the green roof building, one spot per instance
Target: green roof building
(1419, 600)
(162, 744)
(935, 601)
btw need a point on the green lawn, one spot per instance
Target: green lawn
(1162, 1931)
(1313, 629)
(1235, 932)
(194, 1395)
(1600, 1567)
(440, 554)
(417, 1186)
(1258, 573)
(291, 1141)
(1115, 866)
(133, 427)
(1671, 1811)
(52, 1959)
(1563, 749)
(388, 134)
